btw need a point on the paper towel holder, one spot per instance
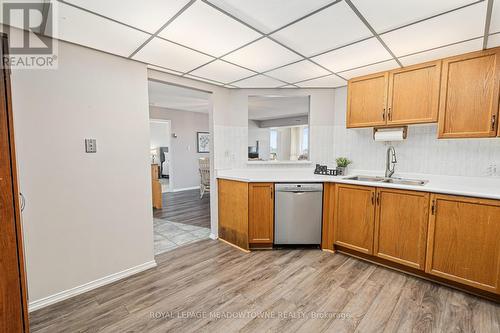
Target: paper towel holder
(404, 128)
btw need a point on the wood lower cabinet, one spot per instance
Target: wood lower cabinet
(246, 213)
(413, 96)
(366, 101)
(261, 213)
(464, 241)
(354, 217)
(401, 226)
(469, 95)
(233, 212)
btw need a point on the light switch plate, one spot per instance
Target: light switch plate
(90, 146)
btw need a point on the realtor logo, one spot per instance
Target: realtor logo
(27, 22)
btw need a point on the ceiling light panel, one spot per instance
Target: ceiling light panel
(453, 27)
(360, 54)
(371, 69)
(208, 30)
(331, 81)
(495, 17)
(262, 55)
(148, 15)
(162, 53)
(333, 27)
(80, 27)
(258, 81)
(299, 71)
(443, 52)
(384, 15)
(268, 15)
(222, 71)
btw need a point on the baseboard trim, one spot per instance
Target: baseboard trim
(186, 189)
(63, 295)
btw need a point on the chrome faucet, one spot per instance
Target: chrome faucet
(390, 162)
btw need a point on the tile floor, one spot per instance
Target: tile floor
(170, 235)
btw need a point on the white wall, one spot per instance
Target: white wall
(183, 154)
(87, 215)
(159, 134)
(422, 152)
(262, 135)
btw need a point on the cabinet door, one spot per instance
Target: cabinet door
(463, 243)
(261, 213)
(366, 101)
(469, 96)
(233, 212)
(414, 94)
(354, 217)
(401, 226)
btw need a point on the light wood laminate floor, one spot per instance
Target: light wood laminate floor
(196, 288)
(185, 207)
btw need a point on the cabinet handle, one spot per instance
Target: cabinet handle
(383, 115)
(373, 198)
(389, 114)
(378, 198)
(493, 122)
(433, 208)
(271, 191)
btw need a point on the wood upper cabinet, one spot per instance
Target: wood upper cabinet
(401, 226)
(464, 241)
(354, 217)
(469, 95)
(261, 213)
(413, 96)
(366, 101)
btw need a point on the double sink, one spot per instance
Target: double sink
(398, 181)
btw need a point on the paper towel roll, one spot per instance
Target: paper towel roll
(389, 135)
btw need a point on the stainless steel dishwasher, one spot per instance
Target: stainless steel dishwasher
(298, 213)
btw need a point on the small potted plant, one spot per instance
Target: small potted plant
(342, 164)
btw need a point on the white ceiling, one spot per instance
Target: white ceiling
(276, 107)
(178, 98)
(293, 43)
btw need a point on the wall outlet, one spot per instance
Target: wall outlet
(90, 145)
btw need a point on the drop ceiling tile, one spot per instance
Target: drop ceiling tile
(208, 30)
(148, 15)
(356, 55)
(258, 81)
(268, 15)
(453, 27)
(384, 15)
(163, 53)
(371, 69)
(333, 27)
(331, 81)
(262, 55)
(495, 17)
(80, 27)
(494, 40)
(443, 52)
(298, 71)
(222, 71)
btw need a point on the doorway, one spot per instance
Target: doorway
(180, 141)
